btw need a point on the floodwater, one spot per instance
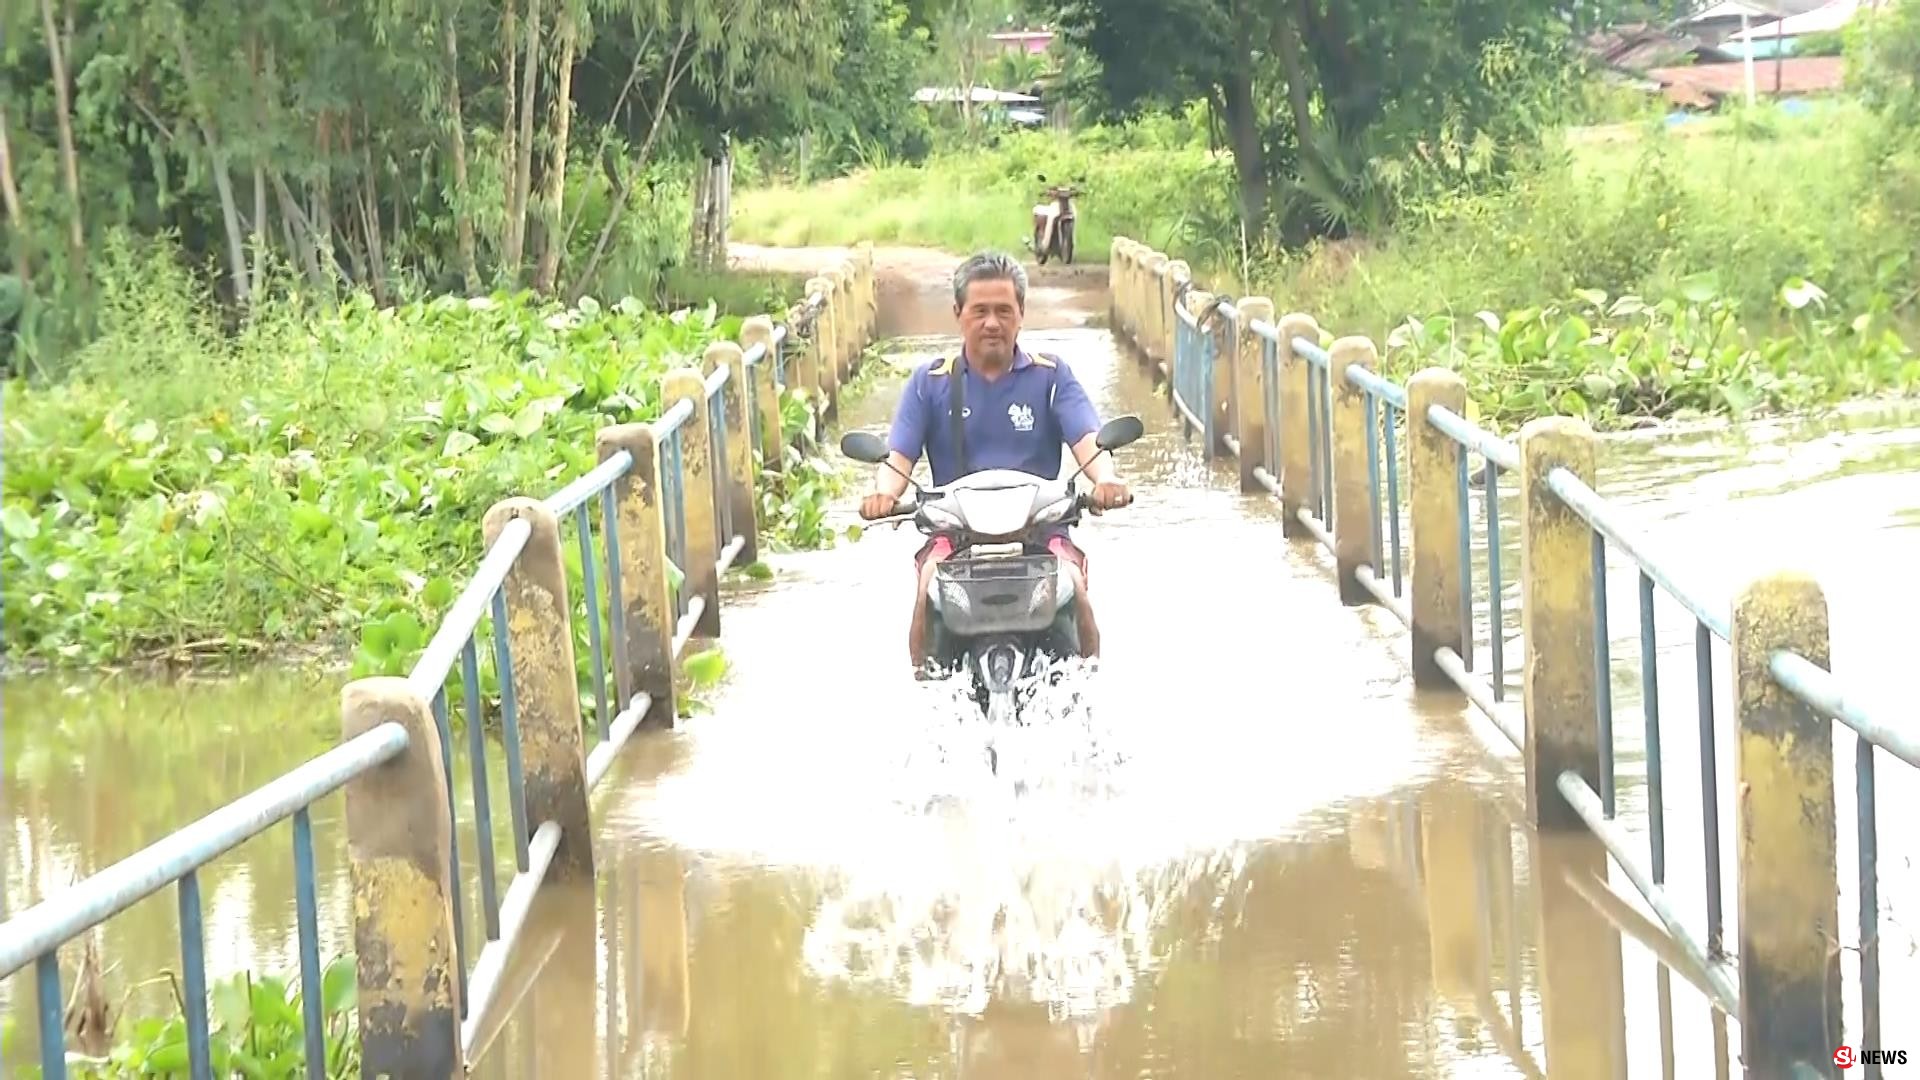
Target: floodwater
(1242, 846)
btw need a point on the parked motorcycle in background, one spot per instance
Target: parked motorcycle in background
(1053, 222)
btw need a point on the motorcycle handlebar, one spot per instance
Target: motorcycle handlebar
(907, 506)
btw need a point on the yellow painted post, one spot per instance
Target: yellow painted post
(1556, 619)
(869, 297)
(399, 854)
(846, 321)
(827, 347)
(701, 490)
(546, 683)
(1296, 439)
(1220, 331)
(646, 593)
(1153, 346)
(736, 484)
(1136, 275)
(765, 385)
(1789, 924)
(1434, 497)
(1249, 390)
(1353, 522)
(812, 373)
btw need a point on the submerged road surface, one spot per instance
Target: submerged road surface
(1239, 847)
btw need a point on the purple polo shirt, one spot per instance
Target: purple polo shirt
(1018, 421)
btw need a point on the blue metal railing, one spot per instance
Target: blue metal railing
(1195, 355)
(1481, 460)
(1494, 457)
(34, 936)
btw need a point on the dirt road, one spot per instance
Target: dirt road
(915, 286)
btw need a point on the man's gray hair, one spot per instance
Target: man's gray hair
(990, 266)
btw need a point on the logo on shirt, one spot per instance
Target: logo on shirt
(1022, 416)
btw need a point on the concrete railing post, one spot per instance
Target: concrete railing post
(1135, 310)
(812, 376)
(701, 491)
(546, 684)
(1249, 390)
(1155, 344)
(765, 387)
(846, 320)
(1115, 290)
(1219, 404)
(646, 593)
(1353, 523)
(869, 294)
(1434, 495)
(1788, 889)
(735, 486)
(1296, 438)
(400, 854)
(826, 339)
(1556, 620)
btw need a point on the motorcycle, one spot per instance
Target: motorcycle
(1053, 223)
(1002, 605)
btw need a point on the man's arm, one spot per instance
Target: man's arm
(1085, 453)
(888, 482)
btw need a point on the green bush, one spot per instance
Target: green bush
(316, 473)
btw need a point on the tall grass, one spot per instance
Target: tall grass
(1173, 196)
(1743, 206)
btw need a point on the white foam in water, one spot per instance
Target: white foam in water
(948, 883)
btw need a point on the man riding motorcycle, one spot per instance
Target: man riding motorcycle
(1015, 410)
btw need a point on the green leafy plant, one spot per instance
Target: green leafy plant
(320, 475)
(1614, 359)
(257, 1030)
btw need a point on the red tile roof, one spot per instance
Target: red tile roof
(1797, 75)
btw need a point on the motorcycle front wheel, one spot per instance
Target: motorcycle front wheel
(1066, 242)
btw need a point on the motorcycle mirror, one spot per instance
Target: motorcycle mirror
(1118, 432)
(865, 446)
(1042, 176)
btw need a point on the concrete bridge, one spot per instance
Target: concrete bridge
(1375, 485)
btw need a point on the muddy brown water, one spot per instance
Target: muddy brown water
(1241, 847)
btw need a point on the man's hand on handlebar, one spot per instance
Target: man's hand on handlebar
(1108, 494)
(877, 505)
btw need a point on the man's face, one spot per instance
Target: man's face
(989, 321)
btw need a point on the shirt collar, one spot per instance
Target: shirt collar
(1021, 359)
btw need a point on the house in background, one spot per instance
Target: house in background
(1784, 36)
(1720, 22)
(1031, 42)
(1701, 59)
